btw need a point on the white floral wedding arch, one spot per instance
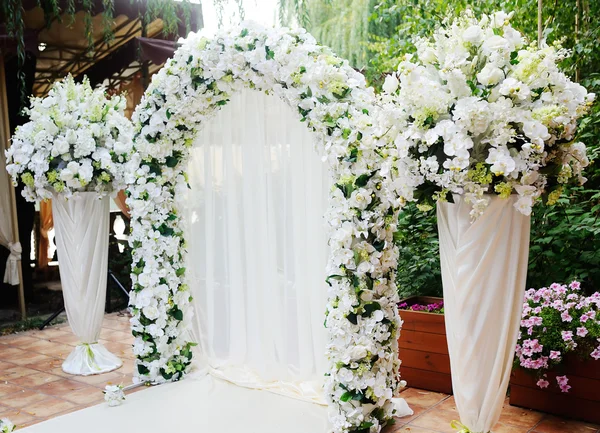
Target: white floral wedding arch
(333, 100)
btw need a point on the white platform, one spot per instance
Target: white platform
(198, 404)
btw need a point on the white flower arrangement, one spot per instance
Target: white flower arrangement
(114, 395)
(479, 110)
(6, 426)
(333, 100)
(76, 140)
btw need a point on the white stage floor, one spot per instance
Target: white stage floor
(198, 404)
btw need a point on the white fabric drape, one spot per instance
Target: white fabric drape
(81, 225)
(257, 247)
(484, 267)
(11, 274)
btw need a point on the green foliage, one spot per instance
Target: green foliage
(419, 259)
(342, 25)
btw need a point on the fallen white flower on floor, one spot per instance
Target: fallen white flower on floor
(114, 395)
(6, 426)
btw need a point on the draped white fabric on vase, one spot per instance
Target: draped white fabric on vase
(484, 267)
(82, 227)
(257, 247)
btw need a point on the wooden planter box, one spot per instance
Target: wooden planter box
(582, 402)
(423, 348)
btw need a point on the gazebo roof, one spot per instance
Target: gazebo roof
(61, 46)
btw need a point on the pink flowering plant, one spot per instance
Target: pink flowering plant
(434, 307)
(557, 320)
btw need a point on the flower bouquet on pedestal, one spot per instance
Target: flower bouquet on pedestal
(483, 122)
(77, 149)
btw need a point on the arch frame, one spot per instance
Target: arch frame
(333, 100)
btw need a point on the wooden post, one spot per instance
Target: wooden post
(540, 7)
(11, 189)
(577, 29)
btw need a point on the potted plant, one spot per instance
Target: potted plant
(422, 344)
(557, 363)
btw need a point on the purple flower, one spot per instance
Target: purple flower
(582, 331)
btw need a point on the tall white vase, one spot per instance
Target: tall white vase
(81, 224)
(484, 267)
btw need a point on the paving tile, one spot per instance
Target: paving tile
(553, 424)
(9, 353)
(418, 411)
(100, 380)
(437, 420)
(7, 388)
(19, 340)
(28, 357)
(69, 339)
(505, 428)
(60, 387)
(85, 396)
(46, 365)
(15, 372)
(519, 417)
(422, 398)
(5, 365)
(116, 336)
(19, 418)
(48, 407)
(50, 333)
(23, 398)
(406, 429)
(35, 380)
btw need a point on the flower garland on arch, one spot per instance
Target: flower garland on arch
(333, 100)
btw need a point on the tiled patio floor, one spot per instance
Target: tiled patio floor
(33, 387)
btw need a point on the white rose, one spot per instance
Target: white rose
(391, 84)
(358, 352)
(69, 172)
(60, 146)
(490, 75)
(495, 43)
(473, 35)
(122, 147)
(151, 312)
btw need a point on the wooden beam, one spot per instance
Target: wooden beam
(11, 189)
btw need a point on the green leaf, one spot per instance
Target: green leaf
(244, 33)
(179, 272)
(270, 54)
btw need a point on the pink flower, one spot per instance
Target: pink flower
(575, 285)
(563, 383)
(582, 331)
(554, 354)
(543, 383)
(535, 321)
(584, 318)
(596, 353)
(566, 317)
(567, 335)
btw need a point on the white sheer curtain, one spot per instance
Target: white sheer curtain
(257, 247)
